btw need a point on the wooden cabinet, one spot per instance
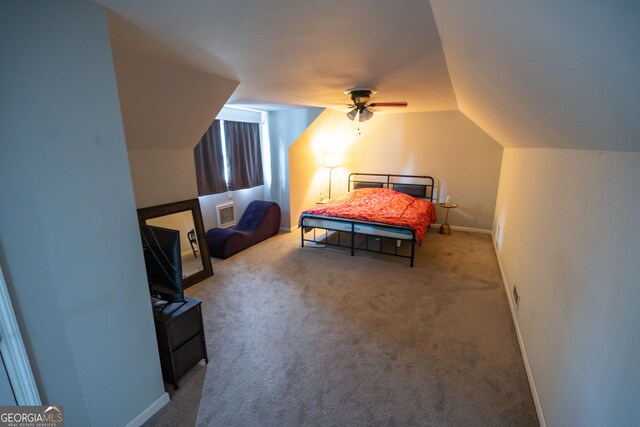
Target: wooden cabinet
(180, 335)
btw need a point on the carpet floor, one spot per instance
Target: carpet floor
(314, 337)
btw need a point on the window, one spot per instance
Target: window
(228, 157)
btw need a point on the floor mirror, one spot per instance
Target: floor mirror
(186, 217)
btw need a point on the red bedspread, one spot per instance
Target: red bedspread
(381, 205)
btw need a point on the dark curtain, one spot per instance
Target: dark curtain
(210, 162)
(244, 154)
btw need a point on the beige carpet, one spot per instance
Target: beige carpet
(309, 336)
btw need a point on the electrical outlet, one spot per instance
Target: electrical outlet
(516, 297)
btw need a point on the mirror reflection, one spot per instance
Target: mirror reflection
(189, 245)
(186, 217)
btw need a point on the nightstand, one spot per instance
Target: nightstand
(445, 228)
(180, 335)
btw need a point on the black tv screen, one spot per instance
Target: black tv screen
(163, 261)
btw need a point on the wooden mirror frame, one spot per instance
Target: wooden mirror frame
(192, 205)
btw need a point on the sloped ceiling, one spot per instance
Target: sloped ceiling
(166, 103)
(562, 74)
(530, 73)
(306, 53)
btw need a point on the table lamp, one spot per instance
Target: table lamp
(330, 162)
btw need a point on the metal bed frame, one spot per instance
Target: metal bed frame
(414, 185)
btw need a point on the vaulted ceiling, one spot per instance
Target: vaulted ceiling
(531, 74)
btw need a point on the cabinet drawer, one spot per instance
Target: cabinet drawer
(188, 355)
(173, 334)
(180, 338)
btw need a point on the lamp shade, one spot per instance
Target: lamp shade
(331, 161)
(365, 114)
(352, 114)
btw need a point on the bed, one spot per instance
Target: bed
(387, 214)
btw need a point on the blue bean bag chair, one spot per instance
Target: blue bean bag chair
(260, 221)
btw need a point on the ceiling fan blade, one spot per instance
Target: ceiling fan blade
(388, 104)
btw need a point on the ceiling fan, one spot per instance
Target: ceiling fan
(361, 104)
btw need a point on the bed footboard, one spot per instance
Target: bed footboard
(357, 236)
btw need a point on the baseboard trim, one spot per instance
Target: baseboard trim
(523, 350)
(150, 411)
(287, 230)
(469, 229)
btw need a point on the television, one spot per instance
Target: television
(163, 261)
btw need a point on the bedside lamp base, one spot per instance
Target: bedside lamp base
(445, 229)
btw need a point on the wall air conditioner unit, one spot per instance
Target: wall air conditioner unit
(226, 215)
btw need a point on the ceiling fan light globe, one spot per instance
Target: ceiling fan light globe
(365, 114)
(352, 114)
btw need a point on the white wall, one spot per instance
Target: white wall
(568, 236)
(462, 158)
(284, 129)
(240, 198)
(162, 176)
(69, 241)
(239, 115)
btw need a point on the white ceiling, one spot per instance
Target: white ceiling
(561, 74)
(531, 74)
(291, 52)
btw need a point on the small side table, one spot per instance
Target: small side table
(180, 334)
(445, 228)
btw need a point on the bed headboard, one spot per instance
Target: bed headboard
(413, 185)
